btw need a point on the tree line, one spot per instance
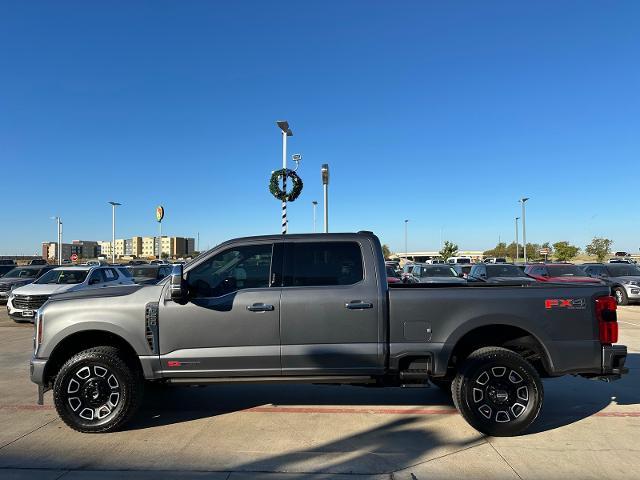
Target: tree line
(562, 251)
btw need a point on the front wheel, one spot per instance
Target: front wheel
(96, 390)
(498, 392)
(621, 296)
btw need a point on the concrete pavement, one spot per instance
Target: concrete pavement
(587, 429)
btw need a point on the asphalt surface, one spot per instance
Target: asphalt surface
(587, 430)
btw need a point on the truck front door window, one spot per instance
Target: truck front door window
(231, 270)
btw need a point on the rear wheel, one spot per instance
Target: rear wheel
(97, 391)
(498, 392)
(621, 296)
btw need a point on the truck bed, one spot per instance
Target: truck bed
(441, 314)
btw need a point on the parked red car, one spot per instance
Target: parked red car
(392, 275)
(558, 272)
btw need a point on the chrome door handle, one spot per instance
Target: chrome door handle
(260, 307)
(358, 305)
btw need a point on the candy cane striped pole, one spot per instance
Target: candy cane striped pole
(284, 181)
(284, 206)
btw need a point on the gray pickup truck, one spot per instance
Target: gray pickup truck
(317, 309)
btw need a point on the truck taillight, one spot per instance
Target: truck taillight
(607, 319)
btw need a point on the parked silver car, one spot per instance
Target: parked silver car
(439, 273)
(24, 301)
(624, 279)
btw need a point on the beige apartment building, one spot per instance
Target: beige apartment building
(136, 247)
(148, 247)
(119, 247)
(105, 248)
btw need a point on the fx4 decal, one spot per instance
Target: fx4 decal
(567, 303)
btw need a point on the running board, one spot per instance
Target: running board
(283, 379)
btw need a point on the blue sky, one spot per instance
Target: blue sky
(444, 113)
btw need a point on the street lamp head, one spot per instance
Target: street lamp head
(283, 125)
(325, 174)
(115, 204)
(406, 221)
(524, 199)
(314, 203)
(296, 157)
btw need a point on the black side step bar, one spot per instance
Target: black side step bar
(284, 379)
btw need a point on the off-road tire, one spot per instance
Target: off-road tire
(498, 392)
(98, 381)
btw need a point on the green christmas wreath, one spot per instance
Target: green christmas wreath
(276, 191)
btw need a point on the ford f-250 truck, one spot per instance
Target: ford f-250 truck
(317, 309)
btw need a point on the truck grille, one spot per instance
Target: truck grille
(29, 302)
(5, 287)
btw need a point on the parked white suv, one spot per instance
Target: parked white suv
(24, 301)
(457, 260)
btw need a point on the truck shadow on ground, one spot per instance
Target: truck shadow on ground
(398, 444)
(389, 446)
(567, 399)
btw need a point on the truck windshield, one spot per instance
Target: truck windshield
(620, 270)
(504, 271)
(62, 277)
(22, 273)
(438, 271)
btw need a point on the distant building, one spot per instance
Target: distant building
(104, 248)
(119, 247)
(183, 247)
(136, 246)
(423, 256)
(85, 248)
(50, 250)
(150, 247)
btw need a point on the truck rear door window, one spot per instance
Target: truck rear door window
(322, 264)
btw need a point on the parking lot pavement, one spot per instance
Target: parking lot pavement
(587, 429)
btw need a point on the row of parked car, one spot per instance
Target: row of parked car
(27, 288)
(622, 277)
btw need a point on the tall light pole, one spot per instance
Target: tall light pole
(517, 244)
(59, 231)
(523, 200)
(286, 132)
(315, 205)
(113, 230)
(406, 248)
(325, 187)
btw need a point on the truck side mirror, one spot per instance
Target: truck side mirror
(177, 286)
